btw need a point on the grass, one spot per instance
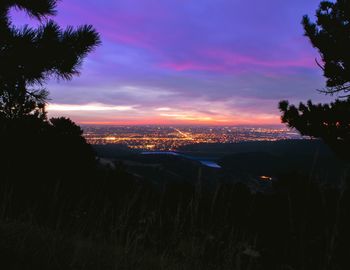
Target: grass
(29, 246)
(179, 226)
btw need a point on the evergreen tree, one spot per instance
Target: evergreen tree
(32, 146)
(30, 56)
(330, 34)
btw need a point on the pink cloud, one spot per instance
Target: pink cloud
(188, 65)
(227, 62)
(232, 59)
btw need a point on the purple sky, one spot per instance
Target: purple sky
(188, 61)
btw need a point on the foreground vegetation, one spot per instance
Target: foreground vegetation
(62, 209)
(91, 217)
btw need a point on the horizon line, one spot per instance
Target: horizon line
(180, 124)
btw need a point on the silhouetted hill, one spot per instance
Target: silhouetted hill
(114, 150)
(274, 147)
(239, 161)
(259, 163)
(275, 158)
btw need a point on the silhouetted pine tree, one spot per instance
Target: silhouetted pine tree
(37, 154)
(330, 122)
(30, 56)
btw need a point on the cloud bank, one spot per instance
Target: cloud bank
(175, 61)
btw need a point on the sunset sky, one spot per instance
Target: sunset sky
(218, 62)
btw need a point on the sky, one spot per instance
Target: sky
(217, 62)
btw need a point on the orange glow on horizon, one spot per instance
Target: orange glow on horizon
(161, 121)
(102, 114)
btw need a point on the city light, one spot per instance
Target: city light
(171, 138)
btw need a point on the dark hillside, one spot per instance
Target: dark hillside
(298, 147)
(243, 160)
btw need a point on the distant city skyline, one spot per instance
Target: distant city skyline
(165, 138)
(217, 62)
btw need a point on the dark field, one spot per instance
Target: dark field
(165, 212)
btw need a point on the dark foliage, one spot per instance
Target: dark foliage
(330, 122)
(36, 150)
(29, 56)
(301, 226)
(331, 36)
(40, 156)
